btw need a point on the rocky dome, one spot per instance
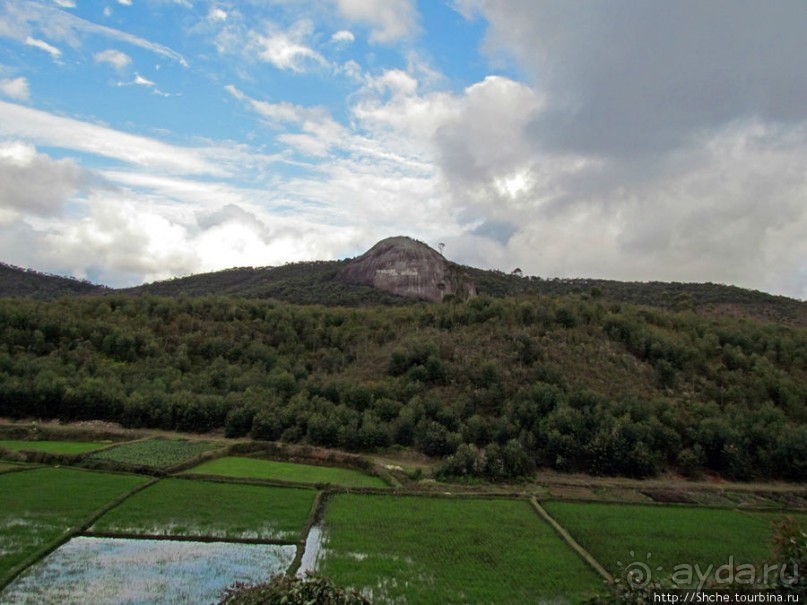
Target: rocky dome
(407, 267)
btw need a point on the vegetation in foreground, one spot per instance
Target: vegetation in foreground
(255, 468)
(182, 507)
(286, 590)
(441, 551)
(504, 385)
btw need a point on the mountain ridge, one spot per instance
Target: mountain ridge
(323, 282)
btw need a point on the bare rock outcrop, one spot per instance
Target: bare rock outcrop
(407, 267)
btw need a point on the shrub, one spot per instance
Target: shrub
(287, 590)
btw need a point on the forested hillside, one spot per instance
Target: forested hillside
(495, 385)
(16, 281)
(316, 282)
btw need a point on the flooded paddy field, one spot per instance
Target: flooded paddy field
(124, 571)
(39, 505)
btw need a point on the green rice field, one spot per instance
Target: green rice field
(52, 447)
(440, 550)
(396, 548)
(253, 468)
(178, 507)
(664, 538)
(155, 453)
(39, 505)
(771, 517)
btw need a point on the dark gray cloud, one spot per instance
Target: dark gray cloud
(499, 231)
(653, 141)
(631, 77)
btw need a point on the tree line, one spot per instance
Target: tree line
(496, 387)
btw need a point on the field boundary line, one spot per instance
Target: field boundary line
(68, 534)
(574, 544)
(185, 538)
(656, 503)
(247, 481)
(12, 470)
(314, 516)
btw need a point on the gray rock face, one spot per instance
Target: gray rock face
(407, 267)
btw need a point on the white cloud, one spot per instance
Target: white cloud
(389, 20)
(42, 45)
(22, 21)
(319, 132)
(125, 2)
(123, 238)
(141, 81)
(55, 131)
(468, 8)
(343, 37)
(65, 3)
(117, 59)
(217, 14)
(286, 49)
(16, 88)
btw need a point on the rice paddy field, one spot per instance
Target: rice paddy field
(253, 468)
(155, 453)
(179, 507)
(166, 571)
(39, 505)
(423, 550)
(52, 447)
(185, 538)
(665, 537)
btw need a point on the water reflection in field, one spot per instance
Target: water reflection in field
(123, 571)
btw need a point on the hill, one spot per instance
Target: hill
(303, 283)
(16, 281)
(497, 386)
(351, 282)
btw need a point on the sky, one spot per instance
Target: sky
(620, 139)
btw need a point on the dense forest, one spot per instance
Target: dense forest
(494, 386)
